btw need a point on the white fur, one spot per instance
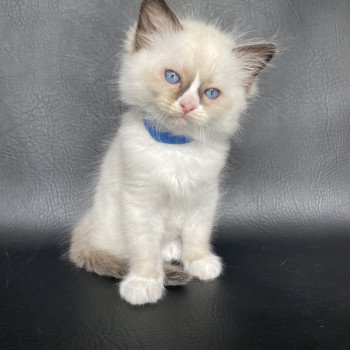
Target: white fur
(205, 269)
(155, 201)
(150, 194)
(204, 51)
(192, 92)
(172, 251)
(139, 291)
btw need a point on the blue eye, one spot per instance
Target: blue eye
(172, 77)
(212, 93)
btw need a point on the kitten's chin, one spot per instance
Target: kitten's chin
(174, 121)
(181, 121)
(175, 118)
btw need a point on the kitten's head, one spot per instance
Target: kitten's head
(188, 77)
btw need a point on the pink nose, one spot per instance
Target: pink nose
(188, 105)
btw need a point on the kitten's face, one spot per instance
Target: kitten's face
(186, 76)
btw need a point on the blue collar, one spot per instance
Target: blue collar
(165, 137)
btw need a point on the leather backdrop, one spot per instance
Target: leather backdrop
(284, 228)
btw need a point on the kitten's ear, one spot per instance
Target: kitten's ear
(155, 16)
(255, 57)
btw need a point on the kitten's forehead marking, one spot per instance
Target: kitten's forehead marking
(193, 89)
(195, 84)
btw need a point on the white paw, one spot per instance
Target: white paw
(205, 269)
(172, 251)
(139, 291)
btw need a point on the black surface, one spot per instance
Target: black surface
(275, 294)
(284, 228)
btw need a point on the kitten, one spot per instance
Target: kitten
(186, 84)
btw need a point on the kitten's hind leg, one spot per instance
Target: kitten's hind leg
(103, 263)
(85, 256)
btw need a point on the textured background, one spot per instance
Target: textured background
(284, 220)
(291, 165)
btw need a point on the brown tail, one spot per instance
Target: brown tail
(175, 275)
(105, 264)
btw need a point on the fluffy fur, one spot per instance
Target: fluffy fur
(155, 203)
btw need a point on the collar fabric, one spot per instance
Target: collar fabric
(165, 137)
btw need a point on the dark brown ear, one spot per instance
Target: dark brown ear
(155, 16)
(255, 57)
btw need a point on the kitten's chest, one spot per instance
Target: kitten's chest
(184, 170)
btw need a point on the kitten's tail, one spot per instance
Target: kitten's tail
(104, 263)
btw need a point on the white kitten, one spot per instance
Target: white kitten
(186, 84)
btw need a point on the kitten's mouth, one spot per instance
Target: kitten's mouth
(182, 119)
(176, 118)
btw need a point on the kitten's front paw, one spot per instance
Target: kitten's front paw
(205, 269)
(139, 291)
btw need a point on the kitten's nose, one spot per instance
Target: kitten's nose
(188, 105)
